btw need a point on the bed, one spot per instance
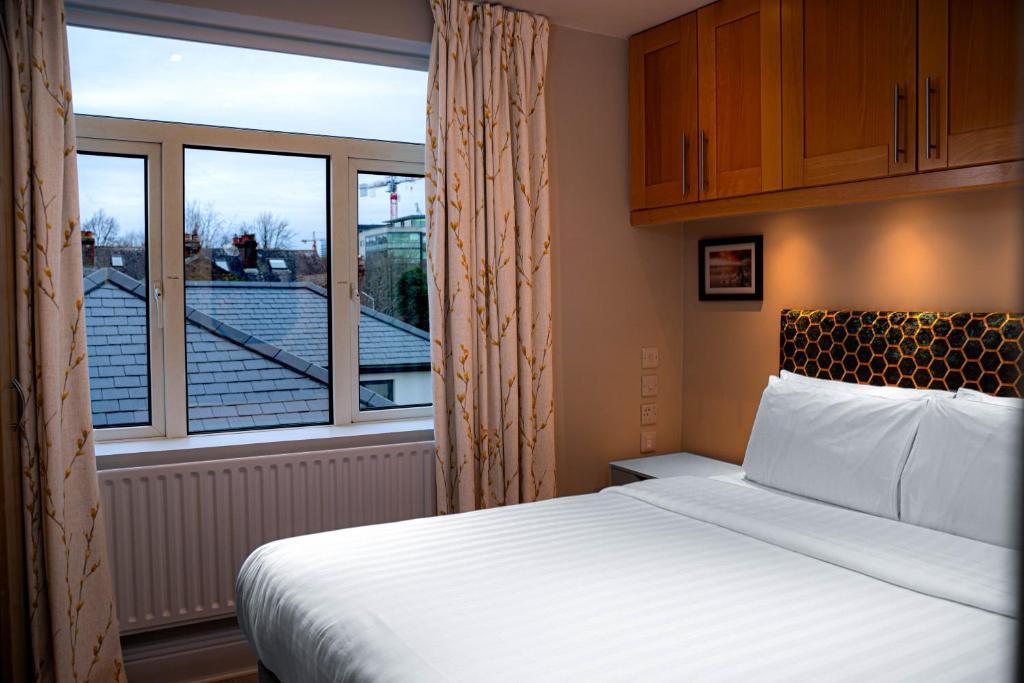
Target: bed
(671, 579)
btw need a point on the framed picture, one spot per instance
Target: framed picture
(731, 269)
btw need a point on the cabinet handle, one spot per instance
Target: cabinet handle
(683, 141)
(896, 97)
(702, 178)
(928, 92)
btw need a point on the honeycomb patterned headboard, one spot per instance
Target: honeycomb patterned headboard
(926, 350)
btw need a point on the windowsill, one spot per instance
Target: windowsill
(163, 450)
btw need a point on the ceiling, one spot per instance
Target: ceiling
(619, 18)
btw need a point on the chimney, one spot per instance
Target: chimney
(192, 244)
(88, 249)
(246, 246)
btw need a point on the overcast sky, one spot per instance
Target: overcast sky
(120, 74)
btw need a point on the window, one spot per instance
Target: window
(190, 82)
(118, 193)
(248, 297)
(257, 333)
(394, 344)
(382, 387)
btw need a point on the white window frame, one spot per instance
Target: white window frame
(151, 153)
(345, 157)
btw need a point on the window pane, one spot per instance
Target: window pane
(112, 198)
(394, 340)
(162, 79)
(256, 300)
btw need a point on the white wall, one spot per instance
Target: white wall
(616, 287)
(410, 387)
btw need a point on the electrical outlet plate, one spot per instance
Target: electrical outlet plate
(648, 442)
(648, 385)
(648, 413)
(649, 357)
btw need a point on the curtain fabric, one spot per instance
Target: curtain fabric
(489, 244)
(73, 624)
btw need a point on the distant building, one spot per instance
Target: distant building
(402, 238)
(387, 253)
(244, 261)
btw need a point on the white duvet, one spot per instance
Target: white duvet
(665, 580)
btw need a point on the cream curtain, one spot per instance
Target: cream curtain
(73, 624)
(489, 247)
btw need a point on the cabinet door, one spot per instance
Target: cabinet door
(663, 114)
(848, 90)
(969, 111)
(740, 98)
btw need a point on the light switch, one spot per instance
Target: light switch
(649, 357)
(648, 385)
(648, 413)
(648, 442)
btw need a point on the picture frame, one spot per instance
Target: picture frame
(731, 268)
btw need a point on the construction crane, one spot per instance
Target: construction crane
(390, 182)
(312, 241)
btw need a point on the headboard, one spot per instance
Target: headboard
(925, 350)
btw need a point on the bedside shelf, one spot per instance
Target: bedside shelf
(667, 465)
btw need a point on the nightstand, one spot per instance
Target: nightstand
(668, 465)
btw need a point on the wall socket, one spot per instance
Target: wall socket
(648, 385)
(649, 357)
(648, 413)
(648, 442)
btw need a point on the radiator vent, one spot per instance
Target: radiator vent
(178, 533)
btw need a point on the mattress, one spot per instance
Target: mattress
(663, 580)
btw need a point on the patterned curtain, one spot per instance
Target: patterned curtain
(489, 248)
(73, 624)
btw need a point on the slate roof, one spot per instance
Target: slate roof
(382, 346)
(256, 352)
(281, 313)
(118, 363)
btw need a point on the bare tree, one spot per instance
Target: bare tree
(129, 239)
(271, 232)
(104, 228)
(206, 221)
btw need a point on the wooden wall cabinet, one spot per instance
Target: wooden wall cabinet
(739, 87)
(760, 105)
(969, 79)
(849, 90)
(663, 114)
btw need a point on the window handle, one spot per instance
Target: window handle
(158, 304)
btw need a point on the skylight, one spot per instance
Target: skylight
(278, 264)
(162, 79)
(117, 261)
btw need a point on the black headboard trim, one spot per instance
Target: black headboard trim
(925, 350)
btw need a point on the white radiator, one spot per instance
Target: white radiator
(178, 533)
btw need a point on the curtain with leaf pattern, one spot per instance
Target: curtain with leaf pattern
(73, 625)
(489, 244)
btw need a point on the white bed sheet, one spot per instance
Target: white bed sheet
(669, 579)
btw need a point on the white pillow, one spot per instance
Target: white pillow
(892, 392)
(1007, 401)
(835, 446)
(963, 474)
